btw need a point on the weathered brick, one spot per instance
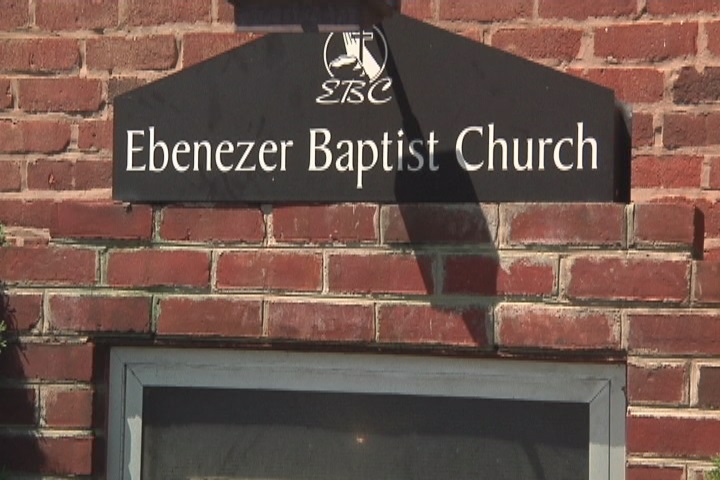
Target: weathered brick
(569, 224)
(668, 171)
(64, 408)
(709, 387)
(485, 10)
(39, 54)
(651, 472)
(714, 181)
(545, 43)
(672, 436)
(101, 220)
(490, 276)
(95, 135)
(445, 224)
(76, 14)
(434, 325)
(16, 14)
(632, 279)
(270, 270)
(144, 12)
(325, 223)
(210, 317)
(48, 174)
(713, 34)
(216, 224)
(384, 273)
(556, 328)
(119, 85)
(691, 130)
(202, 46)
(633, 85)
(643, 131)
(47, 455)
(158, 268)
(43, 136)
(225, 12)
(693, 87)
(6, 95)
(21, 312)
(53, 362)
(674, 334)
(18, 406)
(10, 179)
(24, 213)
(320, 322)
(651, 42)
(669, 224)
(658, 384)
(47, 265)
(580, 10)
(667, 7)
(95, 313)
(153, 52)
(72, 95)
(420, 9)
(707, 282)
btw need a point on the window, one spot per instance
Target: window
(192, 414)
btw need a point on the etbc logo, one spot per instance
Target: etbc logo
(356, 63)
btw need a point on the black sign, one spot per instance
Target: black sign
(402, 112)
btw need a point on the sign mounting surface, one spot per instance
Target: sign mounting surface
(401, 112)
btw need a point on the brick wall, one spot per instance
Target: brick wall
(637, 284)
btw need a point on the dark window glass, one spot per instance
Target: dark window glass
(193, 433)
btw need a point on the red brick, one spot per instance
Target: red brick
(210, 317)
(145, 12)
(420, 9)
(570, 224)
(158, 268)
(438, 224)
(226, 12)
(47, 174)
(693, 87)
(713, 33)
(582, 9)
(651, 42)
(666, 7)
(47, 265)
(22, 213)
(707, 282)
(16, 14)
(99, 313)
(101, 220)
(646, 472)
(119, 85)
(384, 273)
(52, 362)
(212, 224)
(556, 328)
(44, 136)
(547, 42)
(91, 174)
(643, 134)
(673, 436)
(675, 171)
(268, 269)
(658, 384)
(6, 96)
(23, 311)
(321, 322)
(47, 455)
(709, 387)
(485, 10)
(202, 46)
(95, 135)
(72, 95)
(668, 224)
(68, 408)
(633, 85)
(18, 406)
(431, 325)
(154, 52)
(325, 223)
(688, 130)
(633, 279)
(681, 334)
(10, 180)
(39, 54)
(487, 276)
(76, 14)
(714, 182)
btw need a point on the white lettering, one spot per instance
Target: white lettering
(132, 149)
(468, 167)
(154, 146)
(556, 155)
(240, 167)
(581, 148)
(314, 148)
(177, 150)
(223, 148)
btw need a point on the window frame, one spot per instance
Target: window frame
(600, 386)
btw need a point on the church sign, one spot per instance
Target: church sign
(401, 112)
